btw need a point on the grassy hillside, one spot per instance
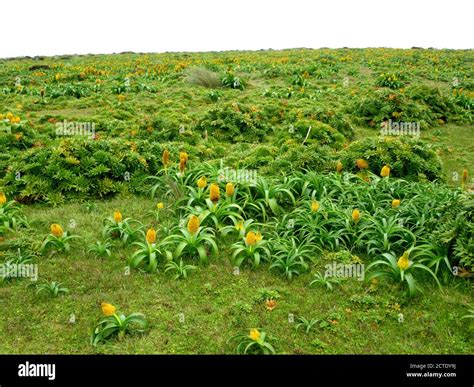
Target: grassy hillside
(281, 158)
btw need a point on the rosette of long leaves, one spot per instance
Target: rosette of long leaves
(118, 325)
(400, 270)
(195, 240)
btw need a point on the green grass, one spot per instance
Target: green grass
(215, 304)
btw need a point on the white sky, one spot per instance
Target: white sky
(50, 27)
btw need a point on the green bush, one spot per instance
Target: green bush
(78, 169)
(234, 122)
(408, 158)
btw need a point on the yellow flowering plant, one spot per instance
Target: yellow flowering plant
(148, 254)
(254, 342)
(192, 240)
(219, 214)
(10, 215)
(116, 324)
(239, 227)
(399, 269)
(57, 240)
(252, 248)
(116, 227)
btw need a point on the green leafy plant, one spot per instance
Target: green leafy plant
(53, 288)
(101, 249)
(250, 250)
(124, 229)
(289, 257)
(324, 280)
(148, 254)
(193, 240)
(256, 342)
(401, 271)
(116, 324)
(306, 324)
(179, 270)
(58, 240)
(232, 81)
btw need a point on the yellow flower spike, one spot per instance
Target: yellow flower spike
(9, 116)
(56, 230)
(151, 236)
(193, 224)
(160, 205)
(339, 167)
(403, 262)
(15, 120)
(254, 334)
(251, 239)
(362, 164)
(385, 172)
(3, 198)
(182, 165)
(314, 206)
(229, 189)
(464, 177)
(395, 203)
(214, 192)
(240, 226)
(202, 182)
(117, 216)
(108, 309)
(258, 237)
(356, 215)
(166, 158)
(183, 156)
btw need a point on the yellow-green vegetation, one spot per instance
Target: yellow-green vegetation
(295, 201)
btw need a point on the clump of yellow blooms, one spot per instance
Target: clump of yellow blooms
(3, 198)
(385, 172)
(395, 203)
(339, 167)
(356, 215)
(193, 224)
(160, 206)
(214, 193)
(183, 156)
(254, 334)
(151, 236)
(56, 230)
(182, 165)
(251, 238)
(314, 206)
(202, 182)
(362, 164)
(108, 309)
(403, 262)
(229, 189)
(166, 157)
(117, 216)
